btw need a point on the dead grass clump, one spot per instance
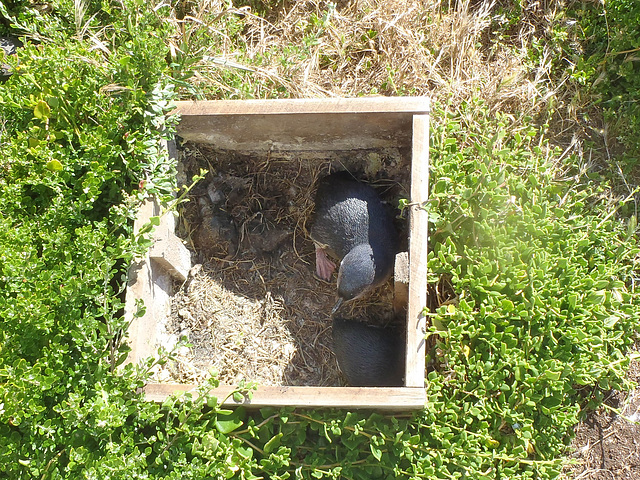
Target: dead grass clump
(314, 48)
(242, 338)
(453, 51)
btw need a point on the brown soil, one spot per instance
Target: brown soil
(252, 308)
(607, 444)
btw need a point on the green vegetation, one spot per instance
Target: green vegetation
(535, 249)
(610, 67)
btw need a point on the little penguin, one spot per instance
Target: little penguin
(369, 356)
(352, 225)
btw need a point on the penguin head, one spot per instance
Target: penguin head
(356, 274)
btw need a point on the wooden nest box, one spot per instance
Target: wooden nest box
(307, 125)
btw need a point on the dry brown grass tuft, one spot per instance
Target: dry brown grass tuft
(441, 49)
(452, 51)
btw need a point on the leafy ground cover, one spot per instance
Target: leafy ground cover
(533, 204)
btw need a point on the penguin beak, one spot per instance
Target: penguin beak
(337, 305)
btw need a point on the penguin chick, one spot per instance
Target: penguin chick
(353, 226)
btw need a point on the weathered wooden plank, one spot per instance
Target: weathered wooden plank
(145, 281)
(411, 105)
(379, 398)
(301, 125)
(418, 229)
(298, 132)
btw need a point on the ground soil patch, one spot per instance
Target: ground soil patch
(607, 444)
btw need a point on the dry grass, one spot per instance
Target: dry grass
(451, 51)
(440, 49)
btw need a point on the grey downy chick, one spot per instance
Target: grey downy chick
(352, 225)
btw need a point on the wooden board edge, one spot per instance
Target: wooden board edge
(384, 398)
(304, 106)
(139, 276)
(418, 250)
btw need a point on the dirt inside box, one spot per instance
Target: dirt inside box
(252, 307)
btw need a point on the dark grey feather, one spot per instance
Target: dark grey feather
(369, 356)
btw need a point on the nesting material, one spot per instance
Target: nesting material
(253, 308)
